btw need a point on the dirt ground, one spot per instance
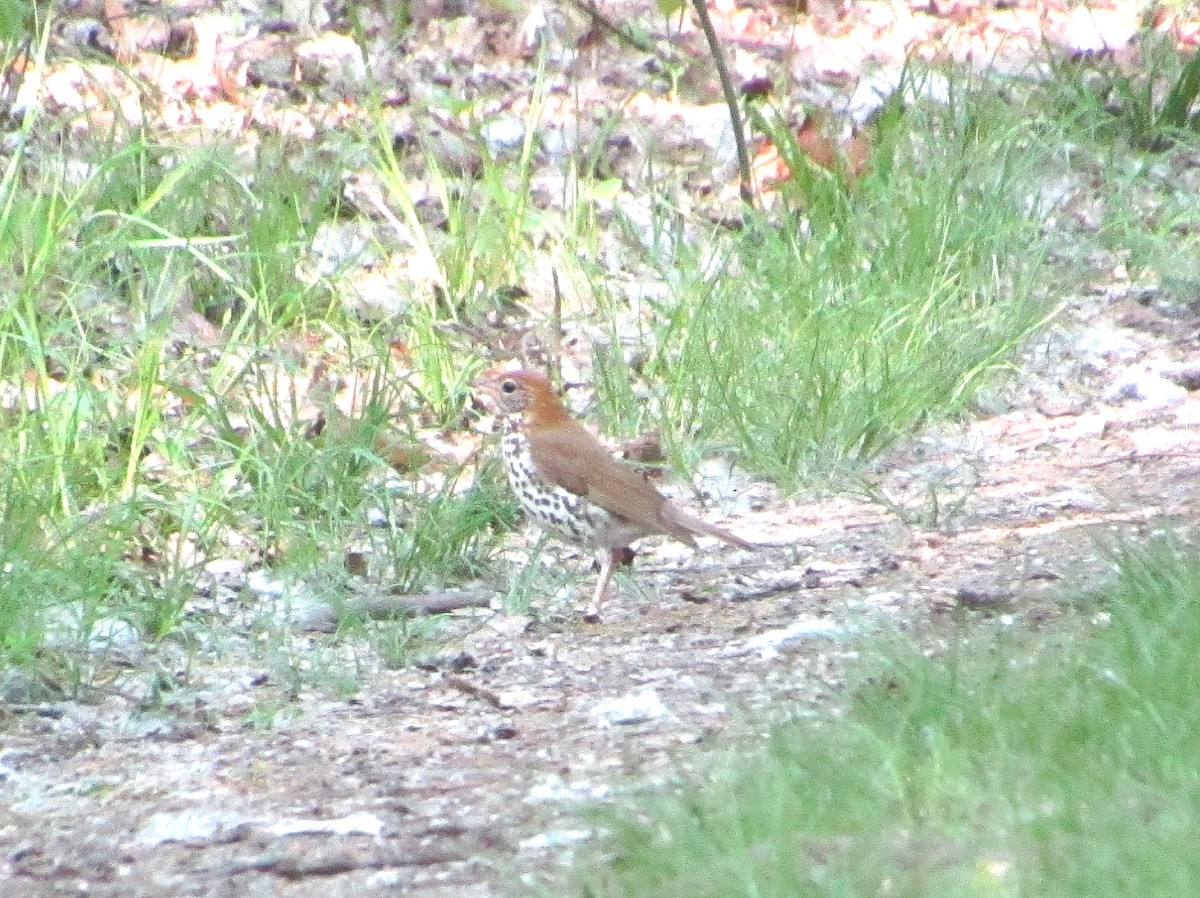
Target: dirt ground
(458, 777)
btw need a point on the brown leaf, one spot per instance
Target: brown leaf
(646, 448)
(815, 144)
(850, 156)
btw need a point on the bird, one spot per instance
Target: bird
(568, 483)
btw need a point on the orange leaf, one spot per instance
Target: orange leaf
(822, 150)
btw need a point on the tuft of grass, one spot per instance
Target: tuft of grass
(1000, 766)
(447, 534)
(398, 642)
(1127, 138)
(51, 578)
(855, 312)
(1152, 105)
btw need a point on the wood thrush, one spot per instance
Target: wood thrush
(570, 484)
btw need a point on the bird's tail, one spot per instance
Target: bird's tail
(682, 523)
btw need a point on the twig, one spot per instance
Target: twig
(325, 619)
(557, 323)
(466, 686)
(1140, 456)
(735, 115)
(622, 34)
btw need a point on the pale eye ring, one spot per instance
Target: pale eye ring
(509, 386)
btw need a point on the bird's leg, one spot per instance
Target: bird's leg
(608, 563)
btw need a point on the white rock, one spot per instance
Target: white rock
(361, 823)
(225, 567)
(1144, 385)
(519, 697)
(338, 56)
(265, 585)
(767, 644)
(112, 633)
(1187, 414)
(720, 481)
(555, 838)
(1069, 499)
(553, 142)
(503, 134)
(555, 790)
(188, 826)
(635, 707)
(1089, 30)
(1107, 343)
(876, 89)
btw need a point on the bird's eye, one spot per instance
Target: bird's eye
(509, 386)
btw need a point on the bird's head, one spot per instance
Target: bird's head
(525, 393)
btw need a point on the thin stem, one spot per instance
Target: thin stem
(735, 117)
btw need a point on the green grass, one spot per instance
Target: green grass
(1151, 105)
(854, 312)
(1126, 136)
(1006, 764)
(15, 18)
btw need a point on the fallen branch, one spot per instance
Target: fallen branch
(377, 607)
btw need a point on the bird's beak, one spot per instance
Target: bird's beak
(487, 392)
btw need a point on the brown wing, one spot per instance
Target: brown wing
(571, 457)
